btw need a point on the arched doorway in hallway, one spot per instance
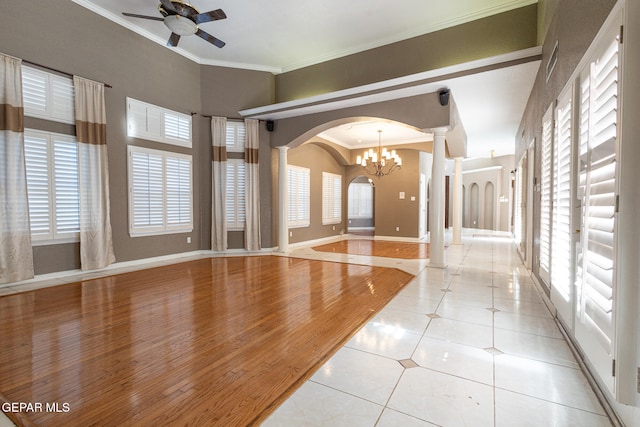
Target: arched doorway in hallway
(360, 206)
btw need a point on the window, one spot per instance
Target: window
(236, 137)
(595, 276)
(298, 179)
(561, 220)
(47, 96)
(331, 198)
(52, 185)
(235, 194)
(545, 196)
(160, 195)
(360, 200)
(159, 124)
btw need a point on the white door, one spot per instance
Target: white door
(596, 256)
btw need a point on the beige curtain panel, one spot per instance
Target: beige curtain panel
(16, 255)
(219, 184)
(96, 245)
(252, 186)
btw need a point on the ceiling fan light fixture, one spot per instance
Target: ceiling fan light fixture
(180, 25)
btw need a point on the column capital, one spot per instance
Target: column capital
(283, 147)
(441, 131)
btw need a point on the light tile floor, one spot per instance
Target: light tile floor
(481, 348)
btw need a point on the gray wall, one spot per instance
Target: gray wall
(65, 36)
(494, 35)
(318, 160)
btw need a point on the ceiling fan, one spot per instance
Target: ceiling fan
(183, 20)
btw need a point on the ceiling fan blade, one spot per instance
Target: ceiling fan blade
(212, 15)
(208, 37)
(133, 15)
(168, 6)
(173, 40)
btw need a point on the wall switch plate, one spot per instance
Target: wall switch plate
(397, 228)
(401, 195)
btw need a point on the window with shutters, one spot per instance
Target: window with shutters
(235, 192)
(299, 187)
(52, 184)
(47, 96)
(160, 192)
(545, 196)
(159, 124)
(331, 198)
(360, 200)
(561, 269)
(236, 136)
(595, 267)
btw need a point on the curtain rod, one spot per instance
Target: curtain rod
(58, 71)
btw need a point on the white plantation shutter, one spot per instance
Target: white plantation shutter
(52, 182)
(178, 191)
(177, 126)
(34, 92)
(561, 216)
(67, 196)
(545, 196)
(236, 136)
(299, 185)
(331, 198)
(148, 121)
(595, 280)
(147, 190)
(235, 202)
(36, 150)
(160, 192)
(47, 96)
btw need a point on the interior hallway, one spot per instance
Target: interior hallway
(470, 345)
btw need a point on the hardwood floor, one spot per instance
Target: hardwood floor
(381, 248)
(219, 341)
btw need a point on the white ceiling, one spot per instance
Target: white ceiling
(283, 35)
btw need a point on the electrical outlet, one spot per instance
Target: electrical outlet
(397, 228)
(188, 239)
(334, 228)
(291, 234)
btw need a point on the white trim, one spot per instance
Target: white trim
(76, 275)
(490, 168)
(304, 106)
(314, 242)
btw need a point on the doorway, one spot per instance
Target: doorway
(360, 207)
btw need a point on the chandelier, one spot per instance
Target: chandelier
(380, 162)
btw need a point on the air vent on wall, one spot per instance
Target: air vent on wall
(553, 59)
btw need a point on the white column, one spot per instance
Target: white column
(457, 201)
(283, 201)
(436, 210)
